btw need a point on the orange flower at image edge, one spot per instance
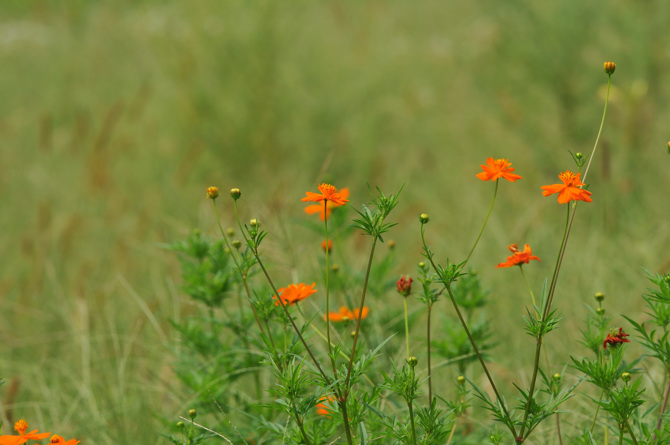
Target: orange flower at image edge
(293, 293)
(497, 168)
(21, 427)
(518, 258)
(570, 190)
(345, 314)
(329, 194)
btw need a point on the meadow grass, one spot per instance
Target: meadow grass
(115, 116)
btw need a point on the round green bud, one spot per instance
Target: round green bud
(579, 155)
(391, 244)
(237, 244)
(230, 231)
(235, 193)
(599, 296)
(600, 311)
(625, 376)
(353, 334)
(335, 268)
(556, 377)
(192, 413)
(422, 265)
(254, 222)
(180, 425)
(460, 380)
(424, 218)
(412, 361)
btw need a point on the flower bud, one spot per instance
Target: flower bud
(391, 244)
(424, 218)
(180, 425)
(422, 265)
(212, 192)
(235, 193)
(192, 413)
(404, 286)
(335, 268)
(230, 231)
(625, 376)
(327, 246)
(412, 361)
(254, 223)
(579, 155)
(460, 380)
(599, 296)
(353, 334)
(610, 67)
(237, 244)
(600, 311)
(556, 377)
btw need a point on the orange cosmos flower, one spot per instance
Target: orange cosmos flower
(333, 201)
(321, 408)
(497, 168)
(518, 258)
(293, 293)
(570, 190)
(21, 427)
(58, 440)
(345, 314)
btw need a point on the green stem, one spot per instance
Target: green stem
(602, 124)
(411, 413)
(495, 193)
(330, 350)
(302, 431)
(284, 306)
(430, 379)
(360, 311)
(406, 327)
(472, 341)
(630, 430)
(664, 403)
(530, 290)
(595, 416)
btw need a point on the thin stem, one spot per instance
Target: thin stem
(467, 332)
(325, 227)
(360, 311)
(595, 416)
(430, 379)
(406, 327)
(495, 193)
(664, 404)
(254, 250)
(558, 428)
(530, 290)
(451, 433)
(411, 414)
(602, 124)
(630, 430)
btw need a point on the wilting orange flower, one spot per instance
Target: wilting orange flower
(570, 190)
(518, 258)
(497, 168)
(345, 314)
(331, 203)
(615, 338)
(58, 440)
(321, 408)
(21, 427)
(293, 293)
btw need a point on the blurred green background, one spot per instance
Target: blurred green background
(115, 116)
